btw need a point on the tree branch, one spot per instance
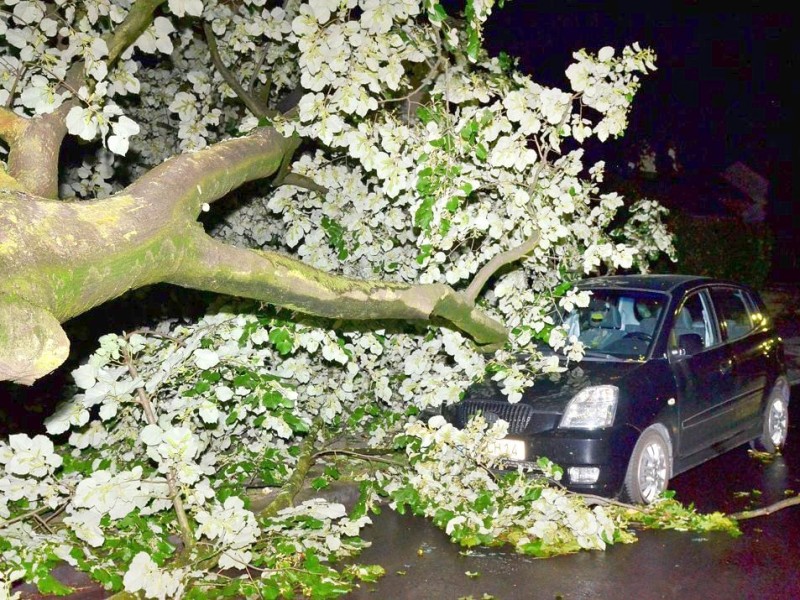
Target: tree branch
(190, 180)
(365, 456)
(767, 510)
(11, 125)
(32, 342)
(172, 480)
(305, 460)
(33, 161)
(136, 22)
(33, 157)
(149, 233)
(302, 181)
(496, 263)
(278, 279)
(251, 102)
(286, 163)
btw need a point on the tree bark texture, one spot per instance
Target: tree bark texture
(61, 258)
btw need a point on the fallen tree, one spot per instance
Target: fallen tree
(378, 167)
(61, 258)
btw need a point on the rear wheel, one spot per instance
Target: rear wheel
(776, 420)
(649, 469)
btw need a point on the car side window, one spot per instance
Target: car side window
(734, 316)
(758, 312)
(693, 329)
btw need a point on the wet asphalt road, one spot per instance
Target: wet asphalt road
(764, 563)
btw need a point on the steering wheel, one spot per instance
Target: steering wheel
(639, 335)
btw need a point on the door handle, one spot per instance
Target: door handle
(726, 367)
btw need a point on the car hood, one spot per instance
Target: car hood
(542, 405)
(550, 393)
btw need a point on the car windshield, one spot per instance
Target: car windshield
(618, 323)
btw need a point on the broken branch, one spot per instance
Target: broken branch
(767, 510)
(496, 263)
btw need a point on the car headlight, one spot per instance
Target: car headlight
(591, 408)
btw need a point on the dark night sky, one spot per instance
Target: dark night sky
(724, 90)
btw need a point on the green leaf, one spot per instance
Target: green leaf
(506, 62)
(424, 215)
(424, 115)
(534, 548)
(424, 181)
(336, 237)
(424, 252)
(469, 131)
(247, 379)
(272, 399)
(211, 376)
(437, 13)
(282, 340)
(473, 44)
(445, 142)
(532, 494)
(297, 424)
(544, 334)
(483, 501)
(367, 573)
(47, 584)
(562, 289)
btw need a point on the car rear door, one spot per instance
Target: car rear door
(749, 353)
(703, 374)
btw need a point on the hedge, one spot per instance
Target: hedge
(721, 247)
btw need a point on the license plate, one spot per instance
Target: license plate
(509, 449)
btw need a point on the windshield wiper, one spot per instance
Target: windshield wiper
(597, 354)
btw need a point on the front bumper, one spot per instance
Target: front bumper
(607, 449)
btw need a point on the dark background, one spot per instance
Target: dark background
(724, 91)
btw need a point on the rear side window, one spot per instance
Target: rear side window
(758, 312)
(734, 316)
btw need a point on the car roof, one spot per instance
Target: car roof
(657, 283)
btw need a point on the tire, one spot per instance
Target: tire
(649, 469)
(775, 424)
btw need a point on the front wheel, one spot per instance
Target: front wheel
(649, 468)
(775, 427)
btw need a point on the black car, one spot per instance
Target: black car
(678, 370)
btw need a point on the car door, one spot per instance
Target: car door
(701, 365)
(749, 354)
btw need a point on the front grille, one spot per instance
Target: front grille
(517, 415)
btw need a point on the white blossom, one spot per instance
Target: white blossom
(30, 456)
(144, 575)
